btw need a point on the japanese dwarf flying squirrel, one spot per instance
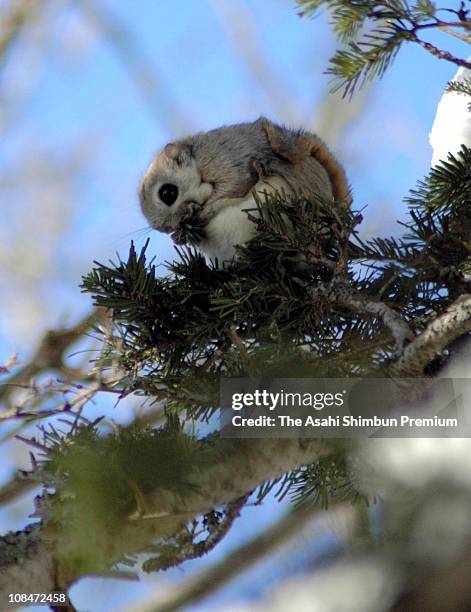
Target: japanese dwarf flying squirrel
(215, 175)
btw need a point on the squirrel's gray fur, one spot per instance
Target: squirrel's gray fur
(227, 155)
(221, 168)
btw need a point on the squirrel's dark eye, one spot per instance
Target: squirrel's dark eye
(168, 193)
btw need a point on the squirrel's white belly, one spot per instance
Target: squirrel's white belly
(229, 227)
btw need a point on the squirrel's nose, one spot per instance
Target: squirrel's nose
(165, 229)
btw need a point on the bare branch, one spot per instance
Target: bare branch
(142, 71)
(198, 587)
(334, 114)
(342, 296)
(26, 563)
(444, 590)
(189, 551)
(50, 355)
(239, 25)
(23, 11)
(440, 53)
(448, 30)
(439, 334)
(14, 488)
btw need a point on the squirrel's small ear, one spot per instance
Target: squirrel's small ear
(178, 152)
(172, 150)
(262, 120)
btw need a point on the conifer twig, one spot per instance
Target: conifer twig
(191, 550)
(239, 344)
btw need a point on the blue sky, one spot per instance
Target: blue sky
(68, 99)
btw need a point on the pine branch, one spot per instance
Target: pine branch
(374, 31)
(365, 60)
(59, 549)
